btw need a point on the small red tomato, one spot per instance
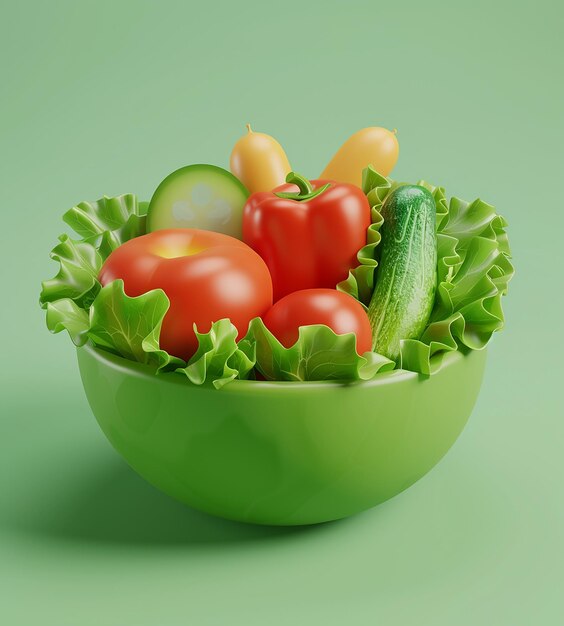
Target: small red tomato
(206, 275)
(335, 309)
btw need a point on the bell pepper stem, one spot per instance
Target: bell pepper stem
(301, 181)
(306, 191)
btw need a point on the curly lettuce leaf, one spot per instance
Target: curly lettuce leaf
(77, 278)
(318, 354)
(115, 220)
(66, 315)
(473, 271)
(219, 358)
(103, 225)
(130, 327)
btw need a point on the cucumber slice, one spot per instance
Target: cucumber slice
(199, 196)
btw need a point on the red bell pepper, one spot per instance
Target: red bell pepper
(308, 233)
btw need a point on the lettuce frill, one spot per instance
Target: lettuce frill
(318, 354)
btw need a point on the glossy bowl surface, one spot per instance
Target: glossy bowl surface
(277, 452)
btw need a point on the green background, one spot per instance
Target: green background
(102, 99)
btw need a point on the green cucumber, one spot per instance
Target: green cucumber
(199, 196)
(407, 274)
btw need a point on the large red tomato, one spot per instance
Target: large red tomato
(206, 275)
(333, 308)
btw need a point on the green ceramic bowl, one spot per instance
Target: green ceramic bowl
(278, 452)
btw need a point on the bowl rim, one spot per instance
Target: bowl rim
(141, 370)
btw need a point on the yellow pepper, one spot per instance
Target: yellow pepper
(259, 161)
(370, 146)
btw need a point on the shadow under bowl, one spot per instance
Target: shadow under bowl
(281, 453)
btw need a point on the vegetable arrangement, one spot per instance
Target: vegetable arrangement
(262, 273)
